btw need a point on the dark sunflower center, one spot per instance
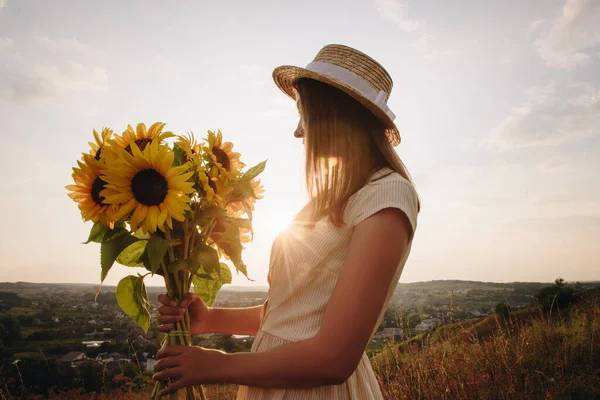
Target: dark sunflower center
(98, 154)
(149, 187)
(141, 143)
(222, 158)
(97, 187)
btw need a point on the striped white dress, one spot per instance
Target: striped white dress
(303, 271)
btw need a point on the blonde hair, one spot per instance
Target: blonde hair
(345, 144)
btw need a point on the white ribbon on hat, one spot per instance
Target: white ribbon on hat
(377, 97)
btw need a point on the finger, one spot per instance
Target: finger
(167, 310)
(165, 327)
(175, 386)
(188, 299)
(170, 351)
(166, 300)
(168, 319)
(169, 362)
(168, 373)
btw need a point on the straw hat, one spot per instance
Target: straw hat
(351, 71)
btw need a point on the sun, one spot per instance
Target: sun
(274, 221)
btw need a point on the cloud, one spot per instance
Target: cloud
(555, 164)
(6, 44)
(67, 47)
(536, 26)
(435, 48)
(74, 76)
(395, 11)
(550, 116)
(71, 67)
(567, 42)
(24, 88)
(53, 80)
(432, 47)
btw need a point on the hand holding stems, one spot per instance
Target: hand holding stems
(188, 365)
(171, 313)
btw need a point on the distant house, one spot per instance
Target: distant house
(73, 358)
(104, 358)
(388, 333)
(150, 363)
(428, 324)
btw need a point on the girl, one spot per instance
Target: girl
(333, 271)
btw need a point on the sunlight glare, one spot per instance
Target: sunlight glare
(276, 220)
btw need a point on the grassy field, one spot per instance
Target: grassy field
(530, 354)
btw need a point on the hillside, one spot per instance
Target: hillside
(529, 354)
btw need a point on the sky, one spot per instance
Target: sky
(497, 102)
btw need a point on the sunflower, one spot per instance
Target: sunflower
(101, 142)
(222, 187)
(87, 188)
(208, 188)
(141, 137)
(146, 183)
(221, 156)
(237, 207)
(189, 145)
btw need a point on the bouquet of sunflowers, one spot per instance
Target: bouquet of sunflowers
(176, 210)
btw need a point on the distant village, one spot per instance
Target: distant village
(65, 322)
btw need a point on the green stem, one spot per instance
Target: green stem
(170, 248)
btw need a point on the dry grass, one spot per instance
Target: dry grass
(528, 355)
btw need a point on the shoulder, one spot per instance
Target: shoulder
(385, 189)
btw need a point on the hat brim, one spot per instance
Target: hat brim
(286, 76)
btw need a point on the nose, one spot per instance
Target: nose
(299, 132)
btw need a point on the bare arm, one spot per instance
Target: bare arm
(241, 321)
(234, 321)
(330, 357)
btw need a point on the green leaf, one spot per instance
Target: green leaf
(114, 242)
(177, 265)
(207, 286)
(208, 214)
(206, 289)
(245, 223)
(229, 242)
(97, 232)
(180, 156)
(157, 248)
(131, 256)
(241, 191)
(207, 258)
(254, 171)
(141, 235)
(225, 274)
(133, 300)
